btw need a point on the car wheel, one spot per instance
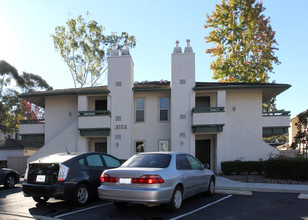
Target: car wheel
(10, 181)
(81, 195)
(40, 199)
(120, 204)
(211, 188)
(176, 200)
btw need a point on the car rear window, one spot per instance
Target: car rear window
(149, 160)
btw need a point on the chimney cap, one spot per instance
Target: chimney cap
(177, 49)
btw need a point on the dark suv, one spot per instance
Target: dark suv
(68, 176)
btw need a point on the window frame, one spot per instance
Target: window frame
(144, 104)
(163, 109)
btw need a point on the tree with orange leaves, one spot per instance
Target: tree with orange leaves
(244, 43)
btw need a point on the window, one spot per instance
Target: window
(111, 162)
(163, 145)
(139, 146)
(203, 102)
(164, 109)
(182, 163)
(194, 163)
(148, 160)
(94, 160)
(139, 106)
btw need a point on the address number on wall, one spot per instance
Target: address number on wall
(120, 127)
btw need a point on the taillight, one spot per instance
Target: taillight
(148, 179)
(63, 171)
(105, 178)
(26, 173)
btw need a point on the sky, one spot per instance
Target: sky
(26, 26)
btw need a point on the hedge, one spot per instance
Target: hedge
(287, 168)
(278, 168)
(238, 167)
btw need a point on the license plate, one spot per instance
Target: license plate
(40, 178)
(125, 180)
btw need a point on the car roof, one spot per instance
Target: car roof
(61, 157)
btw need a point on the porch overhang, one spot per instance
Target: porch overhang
(207, 128)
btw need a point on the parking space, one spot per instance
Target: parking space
(13, 205)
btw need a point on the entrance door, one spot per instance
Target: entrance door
(203, 151)
(100, 147)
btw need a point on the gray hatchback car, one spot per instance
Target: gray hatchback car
(157, 178)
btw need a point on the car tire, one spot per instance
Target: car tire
(176, 200)
(81, 195)
(211, 187)
(120, 204)
(10, 181)
(40, 199)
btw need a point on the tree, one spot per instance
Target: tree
(11, 106)
(301, 138)
(244, 43)
(84, 48)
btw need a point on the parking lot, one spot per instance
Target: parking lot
(13, 205)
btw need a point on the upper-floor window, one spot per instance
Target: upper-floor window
(164, 109)
(139, 109)
(203, 102)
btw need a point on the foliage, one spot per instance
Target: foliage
(302, 126)
(287, 168)
(276, 168)
(244, 43)
(238, 167)
(84, 48)
(273, 139)
(11, 106)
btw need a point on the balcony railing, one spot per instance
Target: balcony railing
(277, 113)
(210, 119)
(94, 113)
(209, 109)
(32, 121)
(32, 126)
(95, 121)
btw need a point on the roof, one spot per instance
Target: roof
(269, 90)
(38, 98)
(13, 144)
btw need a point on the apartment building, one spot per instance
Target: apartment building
(214, 121)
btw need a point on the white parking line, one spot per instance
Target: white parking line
(203, 207)
(81, 210)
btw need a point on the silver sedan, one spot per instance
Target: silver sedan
(157, 178)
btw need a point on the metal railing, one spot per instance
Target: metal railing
(209, 109)
(95, 113)
(277, 113)
(32, 121)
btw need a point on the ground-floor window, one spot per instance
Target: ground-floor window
(139, 146)
(163, 145)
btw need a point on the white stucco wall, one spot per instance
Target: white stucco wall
(61, 111)
(120, 102)
(151, 130)
(182, 101)
(241, 138)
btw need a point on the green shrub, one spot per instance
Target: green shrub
(239, 167)
(287, 168)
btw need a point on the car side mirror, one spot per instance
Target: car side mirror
(206, 166)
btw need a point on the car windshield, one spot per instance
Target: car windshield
(149, 160)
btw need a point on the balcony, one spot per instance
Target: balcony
(210, 119)
(94, 123)
(275, 123)
(33, 126)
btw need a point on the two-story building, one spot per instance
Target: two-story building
(214, 121)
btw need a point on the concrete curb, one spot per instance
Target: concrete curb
(234, 192)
